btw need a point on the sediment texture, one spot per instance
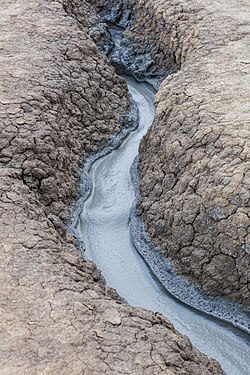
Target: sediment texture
(195, 160)
(59, 98)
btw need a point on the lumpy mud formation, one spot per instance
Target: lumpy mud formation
(195, 186)
(194, 161)
(60, 99)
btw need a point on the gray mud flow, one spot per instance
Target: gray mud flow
(104, 229)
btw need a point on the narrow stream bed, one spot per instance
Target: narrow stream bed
(103, 227)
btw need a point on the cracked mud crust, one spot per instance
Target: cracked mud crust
(59, 98)
(195, 160)
(196, 186)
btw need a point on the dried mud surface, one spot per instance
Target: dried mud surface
(195, 159)
(59, 98)
(195, 184)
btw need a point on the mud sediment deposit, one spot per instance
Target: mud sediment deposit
(194, 161)
(60, 99)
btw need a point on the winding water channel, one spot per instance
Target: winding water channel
(103, 226)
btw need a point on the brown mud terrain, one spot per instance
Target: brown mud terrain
(60, 99)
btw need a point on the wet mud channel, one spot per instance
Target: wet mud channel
(102, 224)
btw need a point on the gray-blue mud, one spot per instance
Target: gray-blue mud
(110, 233)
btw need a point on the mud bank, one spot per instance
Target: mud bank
(194, 161)
(61, 99)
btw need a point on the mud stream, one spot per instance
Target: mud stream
(103, 227)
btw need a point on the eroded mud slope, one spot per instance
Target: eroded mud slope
(60, 98)
(195, 187)
(195, 160)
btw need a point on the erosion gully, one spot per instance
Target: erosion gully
(103, 226)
